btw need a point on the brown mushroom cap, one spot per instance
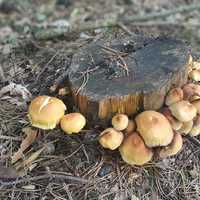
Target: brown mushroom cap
(195, 75)
(173, 148)
(45, 112)
(195, 65)
(72, 123)
(120, 122)
(111, 138)
(131, 126)
(173, 96)
(190, 90)
(194, 98)
(186, 127)
(154, 128)
(134, 151)
(176, 125)
(184, 111)
(196, 127)
(196, 104)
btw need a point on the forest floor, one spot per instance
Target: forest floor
(36, 47)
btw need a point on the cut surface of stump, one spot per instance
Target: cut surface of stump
(126, 76)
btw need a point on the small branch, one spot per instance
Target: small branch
(46, 176)
(5, 137)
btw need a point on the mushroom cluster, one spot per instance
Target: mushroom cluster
(138, 139)
(47, 112)
(194, 70)
(183, 109)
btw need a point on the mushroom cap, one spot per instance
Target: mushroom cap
(194, 98)
(173, 96)
(186, 127)
(173, 148)
(120, 122)
(190, 90)
(195, 75)
(131, 126)
(45, 112)
(154, 128)
(72, 123)
(195, 131)
(134, 151)
(176, 125)
(184, 111)
(195, 65)
(196, 104)
(111, 138)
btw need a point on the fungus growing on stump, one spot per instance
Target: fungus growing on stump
(184, 111)
(154, 128)
(120, 122)
(134, 151)
(111, 138)
(173, 148)
(72, 123)
(45, 112)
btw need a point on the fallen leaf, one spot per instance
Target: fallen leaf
(30, 138)
(16, 89)
(28, 164)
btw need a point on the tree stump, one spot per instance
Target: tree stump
(127, 75)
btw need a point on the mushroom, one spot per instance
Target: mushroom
(154, 128)
(195, 75)
(190, 90)
(134, 151)
(194, 98)
(184, 111)
(173, 96)
(176, 125)
(173, 148)
(196, 104)
(111, 138)
(196, 65)
(120, 122)
(131, 126)
(196, 127)
(45, 112)
(186, 127)
(190, 63)
(72, 123)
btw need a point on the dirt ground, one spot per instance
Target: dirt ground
(36, 48)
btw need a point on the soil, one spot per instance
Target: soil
(76, 167)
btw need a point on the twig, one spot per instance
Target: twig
(5, 137)
(46, 176)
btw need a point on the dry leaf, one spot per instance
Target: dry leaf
(30, 138)
(28, 164)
